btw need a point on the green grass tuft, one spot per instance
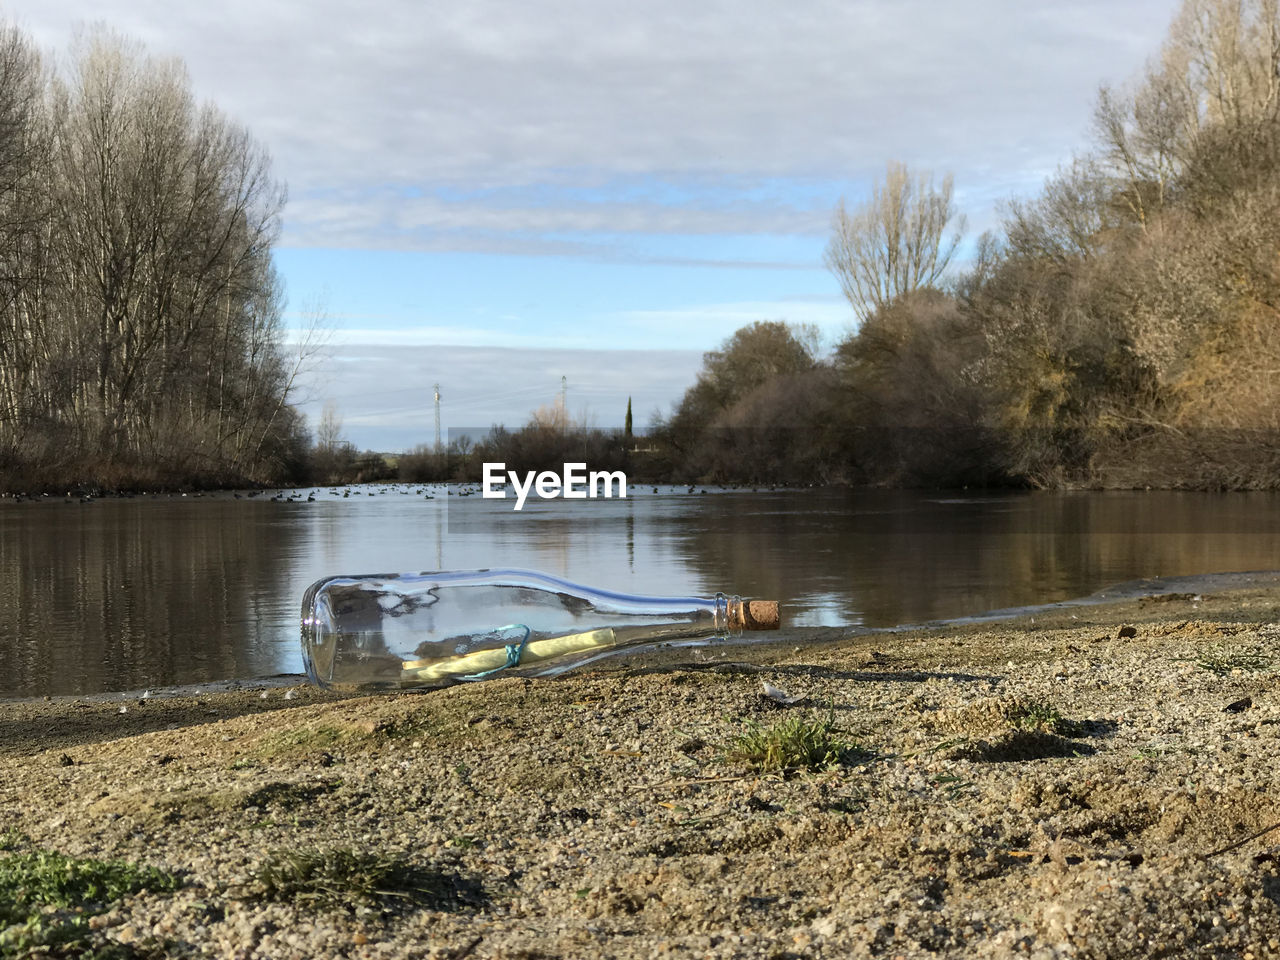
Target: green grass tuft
(12, 840)
(1221, 661)
(42, 877)
(792, 744)
(46, 899)
(1038, 716)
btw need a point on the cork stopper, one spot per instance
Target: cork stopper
(756, 615)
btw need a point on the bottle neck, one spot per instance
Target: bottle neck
(749, 614)
(729, 615)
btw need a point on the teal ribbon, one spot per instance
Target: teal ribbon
(514, 652)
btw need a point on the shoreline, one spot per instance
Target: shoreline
(1059, 785)
(630, 658)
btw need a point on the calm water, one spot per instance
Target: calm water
(126, 594)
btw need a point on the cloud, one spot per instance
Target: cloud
(717, 322)
(499, 113)
(540, 220)
(622, 329)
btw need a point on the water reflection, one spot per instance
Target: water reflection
(131, 593)
(125, 594)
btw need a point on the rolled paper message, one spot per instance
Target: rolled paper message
(483, 662)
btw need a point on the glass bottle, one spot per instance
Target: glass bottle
(392, 631)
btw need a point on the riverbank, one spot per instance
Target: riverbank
(1092, 781)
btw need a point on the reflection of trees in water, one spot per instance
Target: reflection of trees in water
(125, 594)
(892, 557)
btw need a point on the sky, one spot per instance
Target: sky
(495, 194)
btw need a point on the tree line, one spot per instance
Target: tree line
(1121, 329)
(140, 337)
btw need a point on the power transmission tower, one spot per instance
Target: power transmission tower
(564, 404)
(437, 447)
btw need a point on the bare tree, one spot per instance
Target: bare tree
(1071, 217)
(139, 309)
(24, 146)
(896, 242)
(166, 212)
(329, 429)
(1206, 112)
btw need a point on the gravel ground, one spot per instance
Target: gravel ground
(1090, 782)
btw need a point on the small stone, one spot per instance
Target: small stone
(1127, 632)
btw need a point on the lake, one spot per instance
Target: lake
(125, 594)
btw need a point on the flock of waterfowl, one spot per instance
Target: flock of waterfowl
(428, 491)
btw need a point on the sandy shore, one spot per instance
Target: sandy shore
(1091, 782)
